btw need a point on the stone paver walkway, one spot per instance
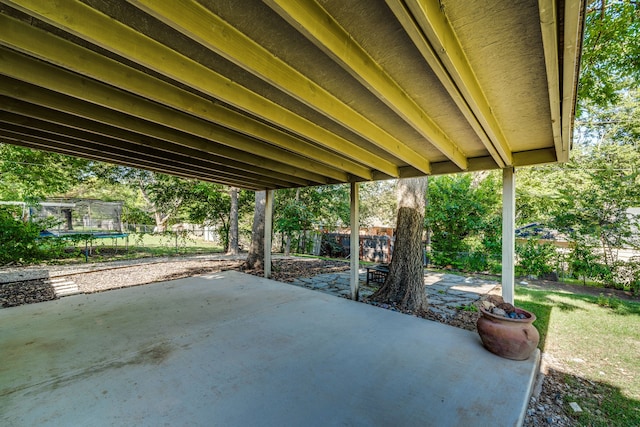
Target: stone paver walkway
(446, 292)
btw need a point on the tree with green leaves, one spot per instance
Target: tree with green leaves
(603, 183)
(611, 52)
(404, 284)
(378, 204)
(31, 175)
(464, 217)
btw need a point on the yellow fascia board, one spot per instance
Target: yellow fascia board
(446, 45)
(572, 41)
(549, 28)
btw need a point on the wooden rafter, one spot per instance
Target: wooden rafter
(430, 30)
(312, 20)
(196, 21)
(125, 41)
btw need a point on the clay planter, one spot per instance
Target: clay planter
(510, 338)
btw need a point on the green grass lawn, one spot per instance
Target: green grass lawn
(143, 245)
(598, 340)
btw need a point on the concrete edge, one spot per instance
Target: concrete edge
(530, 387)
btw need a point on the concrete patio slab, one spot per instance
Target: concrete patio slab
(230, 349)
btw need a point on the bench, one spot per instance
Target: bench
(377, 273)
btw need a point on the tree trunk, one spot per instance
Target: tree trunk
(233, 223)
(287, 248)
(255, 259)
(405, 282)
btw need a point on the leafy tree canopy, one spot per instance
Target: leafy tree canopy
(32, 175)
(611, 51)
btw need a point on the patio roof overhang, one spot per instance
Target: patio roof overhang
(279, 93)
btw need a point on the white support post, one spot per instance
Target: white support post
(268, 227)
(355, 240)
(508, 233)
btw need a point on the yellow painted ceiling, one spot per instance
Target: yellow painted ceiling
(282, 93)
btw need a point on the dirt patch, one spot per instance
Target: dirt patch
(286, 270)
(25, 292)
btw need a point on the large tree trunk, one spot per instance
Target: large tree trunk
(405, 282)
(233, 223)
(287, 248)
(255, 259)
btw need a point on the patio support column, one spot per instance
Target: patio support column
(355, 240)
(268, 227)
(508, 233)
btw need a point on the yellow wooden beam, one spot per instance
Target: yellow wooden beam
(572, 43)
(312, 20)
(35, 42)
(549, 27)
(60, 110)
(196, 21)
(430, 30)
(448, 167)
(137, 142)
(107, 144)
(535, 157)
(65, 146)
(46, 76)
(91, 25)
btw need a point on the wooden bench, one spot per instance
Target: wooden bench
(377, 273)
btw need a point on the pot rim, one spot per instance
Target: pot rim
(530, 319)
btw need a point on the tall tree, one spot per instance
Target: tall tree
(378, 203)
(255, 258)
(405, 282)
(32, 175)
(463, 215)
(233, 222)
(611, 51)
(603, 183)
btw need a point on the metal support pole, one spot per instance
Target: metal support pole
(268, 227)
(355, 240)
(508, 233)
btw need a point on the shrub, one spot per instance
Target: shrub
(18, 239)
(535, 258)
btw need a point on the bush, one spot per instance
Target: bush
(20, 241)
(627, 275)
(535, 258)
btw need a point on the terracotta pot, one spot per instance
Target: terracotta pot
(510, 338)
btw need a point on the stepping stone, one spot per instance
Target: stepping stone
(444, 312)
(320, 285)
(466, 294)
(63, 287)
(436, 288)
